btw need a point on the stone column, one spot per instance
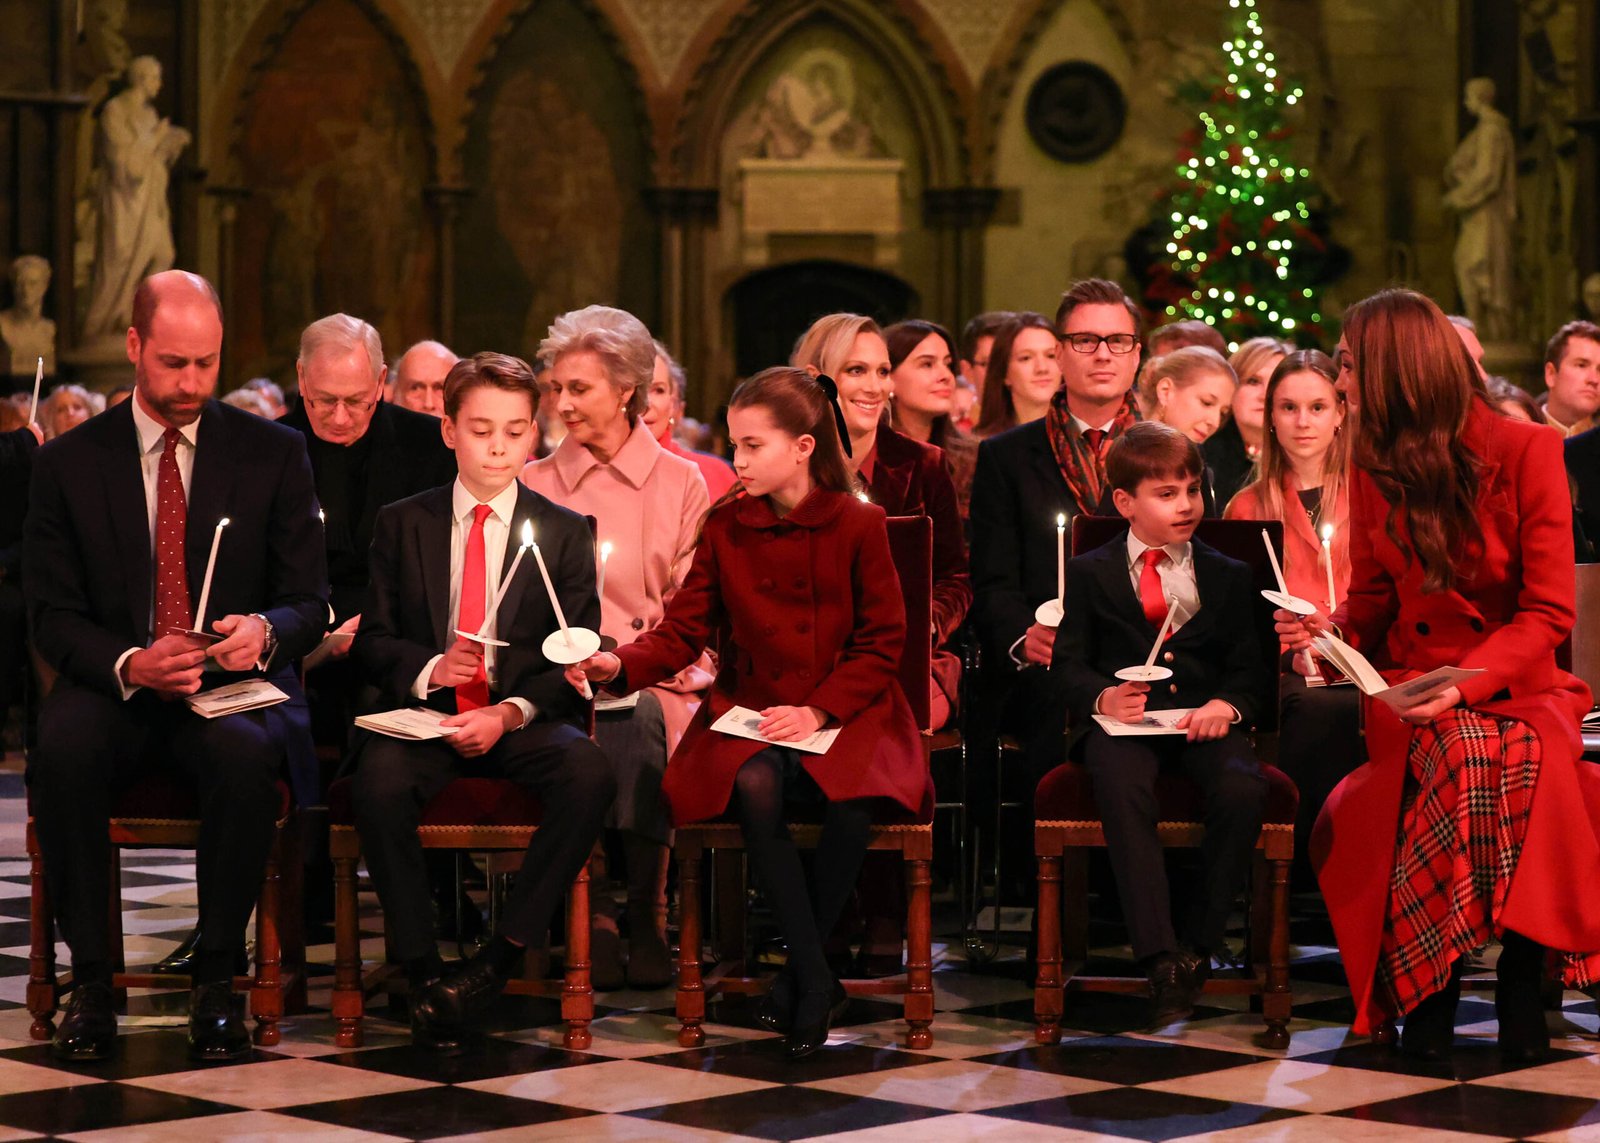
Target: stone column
(683, 212)
(228, 200)
(961, 214)
(446, 202)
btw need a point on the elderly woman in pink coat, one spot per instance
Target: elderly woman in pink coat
(648, 505)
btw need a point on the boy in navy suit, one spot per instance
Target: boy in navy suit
(1117, 597)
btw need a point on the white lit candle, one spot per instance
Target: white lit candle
(1161, 636)
(211, 566)
(494, 609)
(38, 380)
(605, 558)
(1272, 555)
(555, 603)
(1327, 557)
(1061, 560)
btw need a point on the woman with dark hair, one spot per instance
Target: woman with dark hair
(1473, 818)
(922, 359)
(1023, 375)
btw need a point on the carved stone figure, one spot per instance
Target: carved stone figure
(25, 332)
(1481, 185)
(811, 112)
(137, 149)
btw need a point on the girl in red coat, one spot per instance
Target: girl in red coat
(1473, 818)
(796, 580)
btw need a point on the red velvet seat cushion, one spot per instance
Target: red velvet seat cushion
(1067, 794)
(464, 802)
(170, 798)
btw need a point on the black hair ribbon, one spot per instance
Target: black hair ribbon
(832, 391)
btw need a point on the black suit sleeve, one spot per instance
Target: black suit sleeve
(389, 660)
(55, 582)
(1077, 649)
(1000, 606)
(297, 573)
(1245, 677)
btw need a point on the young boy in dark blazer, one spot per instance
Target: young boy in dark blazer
(1117, 597)
(438, 559)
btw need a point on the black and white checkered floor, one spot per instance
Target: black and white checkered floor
(983, 1078)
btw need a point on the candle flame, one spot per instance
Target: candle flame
(1061, 519)
(223, 523)
(605, 551)
(863, 497)
(1327, 533)
(38, 373)
(527, 533)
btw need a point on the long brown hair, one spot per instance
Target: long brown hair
(904, 336)
(1273, 462)
(998, 413)
(1416, 386)
(798, 406)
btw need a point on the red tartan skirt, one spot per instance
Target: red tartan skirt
(1468, 797)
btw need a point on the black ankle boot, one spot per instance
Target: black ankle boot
(1518, 1006)
(1430, 1027)
(814, 1014)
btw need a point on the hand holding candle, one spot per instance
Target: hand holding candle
(1281, 597)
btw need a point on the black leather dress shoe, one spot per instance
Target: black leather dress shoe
(1429, 1030)
(217, 1030)
(1173, 989)
(776, 1012)
(88, 1029)
(814, 1014)
(445, 1009)
(180, 961)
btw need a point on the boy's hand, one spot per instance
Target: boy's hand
(1208, 722)
(479, 729)
(1039, 644)
(1125, 703)
(791, 723)
(459, 665)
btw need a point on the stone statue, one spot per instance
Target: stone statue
(1481, 185)
(811, 112)
(137, 149)
(25, 332)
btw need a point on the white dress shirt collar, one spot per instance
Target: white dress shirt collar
(503, 504)
(1179, 554)
(151, 431)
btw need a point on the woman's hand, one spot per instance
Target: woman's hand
(600, 667)
(791, 723)
(1425, 712)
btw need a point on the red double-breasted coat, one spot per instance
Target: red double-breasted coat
(1512, 605)
(809, 611)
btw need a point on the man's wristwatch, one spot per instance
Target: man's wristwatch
(270, 643)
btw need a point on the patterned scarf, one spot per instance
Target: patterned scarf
(1082, 467)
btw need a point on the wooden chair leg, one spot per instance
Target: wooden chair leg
(266, 993)
(1049, 992)
(919, 953)
(1278, 1001)
(41, 947)
(577, 994)
(691, 998)
(349, 1005)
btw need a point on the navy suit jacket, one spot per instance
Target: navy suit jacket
(408, 620)
(1218, 653)
(1583, 474)
(88, 574)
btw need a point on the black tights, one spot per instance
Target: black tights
(802, 917)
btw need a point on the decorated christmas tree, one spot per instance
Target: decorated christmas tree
(1245, 248)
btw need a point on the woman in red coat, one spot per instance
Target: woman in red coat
(1472, 818)
(797, 580)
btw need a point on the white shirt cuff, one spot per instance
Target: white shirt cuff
(1019, 660)
(116, 671)
(423, 687)
(529, 711)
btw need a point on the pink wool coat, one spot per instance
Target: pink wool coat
(649, 505)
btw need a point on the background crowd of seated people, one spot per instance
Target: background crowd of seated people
(1000, 436)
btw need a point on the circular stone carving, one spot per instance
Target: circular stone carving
(1076, 111)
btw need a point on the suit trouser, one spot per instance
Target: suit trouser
(394, 780)
(1233, 794)
(91, 745)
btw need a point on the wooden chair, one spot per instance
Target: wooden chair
(160, 812)
(911, 541)
(1584, 645)
(478, 815)
(1067, 824)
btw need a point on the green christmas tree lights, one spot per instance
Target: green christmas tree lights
(1243, 252)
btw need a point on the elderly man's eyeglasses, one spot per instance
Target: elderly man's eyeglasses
(1087, 343)
(355, 406)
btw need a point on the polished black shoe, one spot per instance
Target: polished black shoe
(180, 961)
(444, 1010)
(217, 1030)
(814, 1014)
(1519, 1003)
(1429, 1030)
(88, 1029)
(1173, 989)
(776, 1012)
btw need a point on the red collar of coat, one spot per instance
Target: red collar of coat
(817, 510)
